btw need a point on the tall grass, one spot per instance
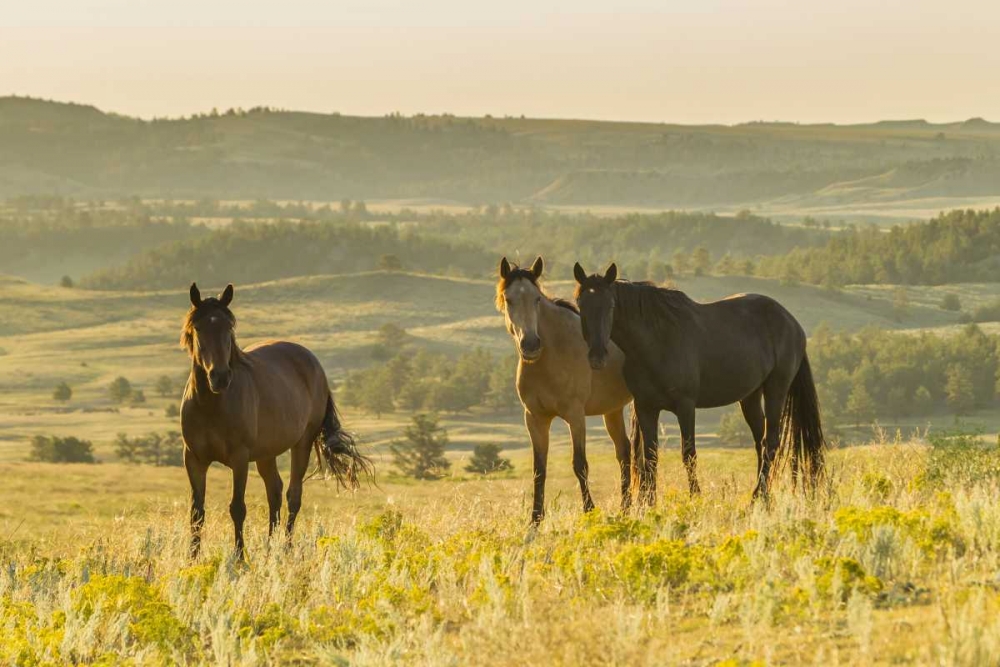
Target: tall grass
(885, 564)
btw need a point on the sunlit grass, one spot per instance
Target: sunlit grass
(882, 566)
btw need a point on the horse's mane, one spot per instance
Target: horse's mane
(209, 306)
(647, 302)
(515, 273)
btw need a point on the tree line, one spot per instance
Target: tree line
(958, 246)
(877, 374)
(423, 381)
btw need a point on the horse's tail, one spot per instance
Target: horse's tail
(340, 450)
(801, 430)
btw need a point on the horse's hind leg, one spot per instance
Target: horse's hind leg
(268, 469)
(685, 419)
(578, 430)
(538, 431)
(300, 464)
(614, 422)
(775, 393)
(753, 413)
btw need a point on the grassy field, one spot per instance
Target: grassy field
(886, 565)
(892, 561)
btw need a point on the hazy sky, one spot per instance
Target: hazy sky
(691, 61)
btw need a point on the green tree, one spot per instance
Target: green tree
(900, 303)
(733, 429)
(172, 411)
(376, 394)
(860, 405)
(138, 397)
(120, 390)
(701, 260)
(62, 392)
(923, 402)
(164, 386)
(959, 391)
(66, 282)
(681, 263)
(53, 449)
(501, 393)
(486, 459)
(421, 454)
(951, 302)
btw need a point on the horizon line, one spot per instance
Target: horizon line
(215, 112)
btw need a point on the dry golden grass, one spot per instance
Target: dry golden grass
(883, 567)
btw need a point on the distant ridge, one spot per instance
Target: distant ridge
(78, 150)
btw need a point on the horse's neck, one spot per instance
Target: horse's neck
(554, 326)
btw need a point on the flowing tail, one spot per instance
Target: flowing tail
(346, 463)
(801, 430)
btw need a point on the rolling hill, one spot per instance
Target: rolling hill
(49, 147)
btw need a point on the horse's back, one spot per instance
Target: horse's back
(741, 341)
(290, 381)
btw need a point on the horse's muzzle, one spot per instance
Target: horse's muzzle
(531, 349)
(219, 381)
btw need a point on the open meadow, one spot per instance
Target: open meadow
(894, 559)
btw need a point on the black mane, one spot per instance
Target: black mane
(638, 301)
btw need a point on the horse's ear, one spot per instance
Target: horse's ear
(537, 267)
(226, 297)
(579, 273)
(504, 268)
(195, 295)
(611, 274)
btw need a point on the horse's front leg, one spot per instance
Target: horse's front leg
(614, 422)
(239, 461)
(196, 471)
(578, 431)
(538, 431)
(685, 419)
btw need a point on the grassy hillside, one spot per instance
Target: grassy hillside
(71, 149)
(50, 335)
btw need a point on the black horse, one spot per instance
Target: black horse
(681, 355)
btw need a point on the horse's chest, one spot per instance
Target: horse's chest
(212, 437)
(545, 392)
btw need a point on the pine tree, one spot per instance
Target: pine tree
(486, 459)
(421, 454)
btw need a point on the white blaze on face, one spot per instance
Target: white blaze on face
(522, 312)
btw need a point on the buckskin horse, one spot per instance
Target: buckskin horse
(555, 380)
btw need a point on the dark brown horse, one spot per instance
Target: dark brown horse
(251, 406)
(681, 355)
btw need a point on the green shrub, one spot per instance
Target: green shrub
(486, 459)
(961, 458)
(53, 449)
(62, 392)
